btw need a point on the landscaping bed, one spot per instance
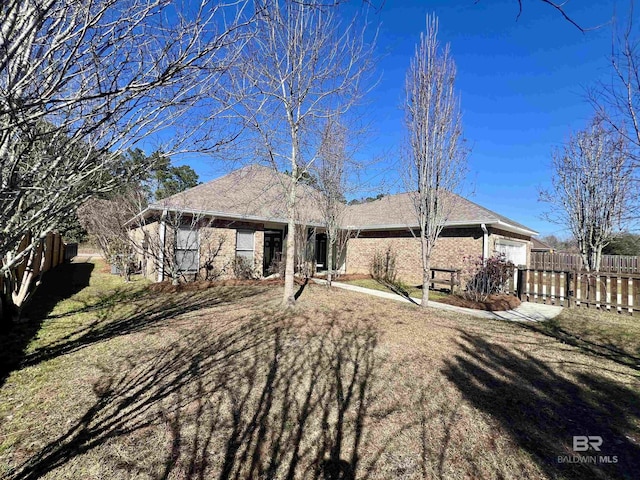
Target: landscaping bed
(493, 303)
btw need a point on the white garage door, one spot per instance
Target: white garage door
(513, 251)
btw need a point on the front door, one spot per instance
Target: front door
(272, 250)
(321, 251)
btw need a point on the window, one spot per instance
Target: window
(244, 244)
(187, 250)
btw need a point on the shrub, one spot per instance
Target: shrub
(243, 268)
(383, 266)
(486, 277)
(277, 266)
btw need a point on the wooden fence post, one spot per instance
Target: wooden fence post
(520, 289)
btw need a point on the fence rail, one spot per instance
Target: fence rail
(610, 291)
(573, 262)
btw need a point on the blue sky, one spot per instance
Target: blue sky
(522, 85)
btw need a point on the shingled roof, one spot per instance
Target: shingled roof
(254, 192)
(257, 192)
(398, 211)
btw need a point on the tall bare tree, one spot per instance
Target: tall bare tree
(81, 82)
(331, 174)
(308, 61)
(590, 193)
(435, 161)
(618, 100)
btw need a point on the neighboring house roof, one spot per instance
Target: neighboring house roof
(539, 245)
(259, 193)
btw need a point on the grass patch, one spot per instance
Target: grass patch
(608, 334)
(124, 381)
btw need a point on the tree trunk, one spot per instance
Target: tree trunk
(288, 298)
(594, 257)
(426, 273)
(330, 245)
(18, 291)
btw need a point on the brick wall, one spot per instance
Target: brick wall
(146, 254)
(222, 240)
(449, 251)
(226, 256)
(210, 237)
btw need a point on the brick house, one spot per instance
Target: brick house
(244, 215)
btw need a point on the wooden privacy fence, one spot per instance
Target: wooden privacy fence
(573, 262)
(50, 252)
(610, 291)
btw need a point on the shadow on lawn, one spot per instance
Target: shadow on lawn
(58, 284)
(543, 410)
(122, 312)
(608, 350)
(264, 399)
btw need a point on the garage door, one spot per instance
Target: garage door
(513, 251)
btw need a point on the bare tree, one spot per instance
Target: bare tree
(435, 161)
(81, 82)
(331, 173)
(106, 222)
(590, 191)
(304, 65)
(618, 100)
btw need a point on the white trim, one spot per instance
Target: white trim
(397, 226)
(511, 242)
(485, 241)
(403, 226)
(162, 234)
(218, 214)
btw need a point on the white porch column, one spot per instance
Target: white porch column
(162, 234)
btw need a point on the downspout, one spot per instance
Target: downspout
(163, 234)
(485, 242)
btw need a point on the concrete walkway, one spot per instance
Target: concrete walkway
(526, 312)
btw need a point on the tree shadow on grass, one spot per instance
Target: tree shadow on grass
(117, 312)
(265, 399)
(543, 410)
(146, 310)
(608, 350)
(58, 284)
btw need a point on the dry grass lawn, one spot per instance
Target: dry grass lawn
(118, 381)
